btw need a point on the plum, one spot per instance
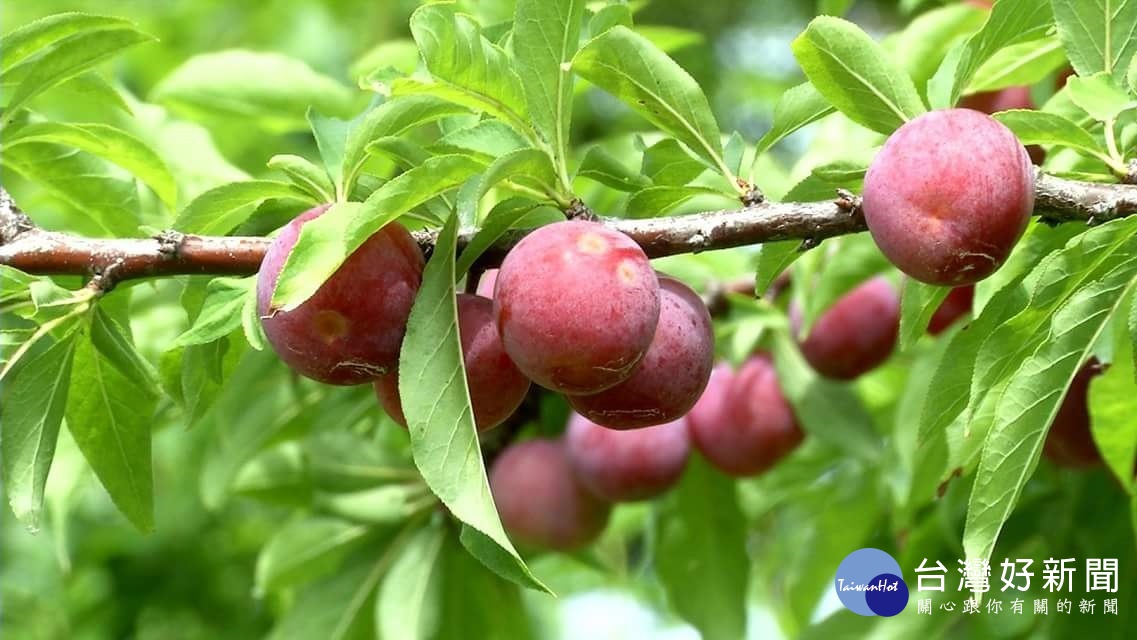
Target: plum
(743, 425)
(956, 305)
(857, 333)
(948, 196)
(672, 374)
(351, 329)
(540, 501)
(626, 466)
(496, 385)
(576, 304)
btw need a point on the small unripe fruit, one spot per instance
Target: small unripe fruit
(540, 502)
(956, 305)
(1070, 442)
(351, 329)
(857, 333)
(746, 425)
(576, 304)
(625, 466)
(948, 196)
(672, 374)
(496, 385)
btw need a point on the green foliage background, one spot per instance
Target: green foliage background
(288, 509)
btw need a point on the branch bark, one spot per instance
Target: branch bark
(41, 252)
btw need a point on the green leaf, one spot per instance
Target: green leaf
(221, 208)
(701, 536)
(546, 35)
(607, 17)
(31, 409)
(328, 240)
(1131, 76)
(471, 70)
(1052, 338)
(110, 417)
(668, 163)
(386, 504)
(773, 259)
(331, 135)
(272, 89)
(796, 108)
(113, 343)
(251, 321)
(1098, 36)
(305, 176)
(476, 603)
(67, 59)
(221, 311)
(1113, 404)
(409, 600)
(605, 168)
(488, 138)
(630, 67)
(524, 165)
(303, 550)
(504, 216)
(852, 72)
(391, 118)
(436, 402)
(1009, 22)
(657, 201)
(30, 39)
(926, 40)
(1099, 96)
(109, 143)
(918, 303)
(1020, 64)
(1041, 127)
(98, 200)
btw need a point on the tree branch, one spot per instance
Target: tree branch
(40, 252)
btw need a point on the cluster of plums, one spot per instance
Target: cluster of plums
(577, 308)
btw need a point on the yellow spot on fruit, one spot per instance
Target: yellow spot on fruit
(626, 270)
(330, 325)
(591, 243)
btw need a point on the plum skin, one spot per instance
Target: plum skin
(1070, 442)
(627, 466)
(948, 196)
(576, 305)
(349, 331)
(497, 387)
(743, 425)
(672, 374)
(856, 334)
(540, 502)
(956, 305)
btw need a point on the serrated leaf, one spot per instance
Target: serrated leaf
(630, 67)
(109, 143)
(1098, 36)
(668, 164)
(527, 166)
(1060, 326)
(653, 202)
(272, 89)
(67, 59)
(436, 403)
(386, 504)
(221, 208)
(113, 343)
(503, 217)
(489, 138)
(328, 240)
(305, 176)
(796, 108)
(918, 303)
(1020, 64)
(1099, 95)
(773, 259)
(109, 415)
(546, 35)
(603, 167)
(1113, 404)
(475, 72)
(30, 39)
(408, 603)
(391, 118)
(305, 549)
(31, 409)
(1041, 127)
(221, 311)
(251, 322)
(701, 533)
(1009, 22)
(852, 72)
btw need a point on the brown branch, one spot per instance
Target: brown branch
(40, 252)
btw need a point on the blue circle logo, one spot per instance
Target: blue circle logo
(870, 583)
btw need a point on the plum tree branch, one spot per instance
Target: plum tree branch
(37, 251)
